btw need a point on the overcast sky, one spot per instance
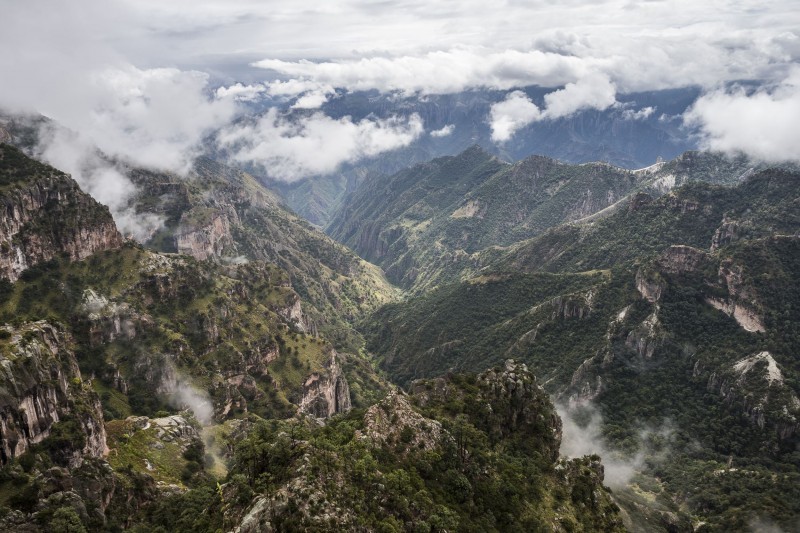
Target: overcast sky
(147, 79)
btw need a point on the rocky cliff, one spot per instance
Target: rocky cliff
(204, 239)
(224, 215)
(328, 393)
(43, 392)
(44, 214)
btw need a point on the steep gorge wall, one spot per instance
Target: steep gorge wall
(44, 214)
(40, 386)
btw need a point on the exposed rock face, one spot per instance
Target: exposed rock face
(326, 394)
(680, 259)
(744, 315)
(42, 386)
(647, 337)
(204, 241)
(168, 428)
(45, 214)
(741, 303)
(572, 306)
(109, 320)
(384, 422)
(756, 385)
(727, 233)
(591, 202)
(773, 373)
(586, 383)
(649, 288)
(294, 314)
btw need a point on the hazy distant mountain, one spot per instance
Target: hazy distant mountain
(634, 134)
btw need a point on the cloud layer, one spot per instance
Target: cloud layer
(149, 82)
(293, 148)
(73, 154)
(517, 110)
(763, 124)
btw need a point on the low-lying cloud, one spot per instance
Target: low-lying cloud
(640, 114)
(594, 91)
(512, 114)
(96, 71)
(196, 400)
(297, 147)
(439, 72)
(582, 435)
(762, 124)
(97, 177)
(444, 131)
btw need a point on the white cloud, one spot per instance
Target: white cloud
(517, 110)
(95, 69)
(641, 114)
(762, 125)
(582, 435)
(290, 149)
(593, 91)
(240, 92)
(444, 131)
(73, 154)
(311, 100)
(295, 87)
(513, 113)
(155, 118)
(439, 72)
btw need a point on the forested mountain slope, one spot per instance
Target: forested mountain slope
(425, 223)
(680, 310)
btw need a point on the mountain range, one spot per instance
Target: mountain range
(472, 344)
(617, 135)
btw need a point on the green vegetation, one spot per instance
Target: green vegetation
(457, 462)
(439, 222)
(666, 342)
(336, 287)
(16, 167)
(466, 326)
(176, 305)
(589, 332)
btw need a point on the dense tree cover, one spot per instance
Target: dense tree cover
(432, 223)
(488, 471)
(203, 317)
(668, 364)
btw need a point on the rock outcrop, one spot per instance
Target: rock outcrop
(680, 259)
(325, 394)
(649, 286)
(512, 399)
(109, 320)
(44, 214)
(727, 233)
(756, 385)
(741, 303)
(388, 421)
(645, 338)
(204, 240)
(41, 387)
